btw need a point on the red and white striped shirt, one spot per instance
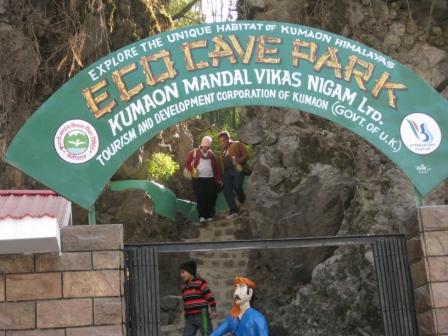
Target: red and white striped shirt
(197, 296)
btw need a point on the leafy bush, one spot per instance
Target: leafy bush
(228, 117)
(161, 167)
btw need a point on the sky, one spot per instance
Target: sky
(219, 10)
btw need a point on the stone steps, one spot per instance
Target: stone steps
(221, 234)
(217, 267)
(227, 263)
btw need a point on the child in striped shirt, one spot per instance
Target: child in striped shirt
(197, 298)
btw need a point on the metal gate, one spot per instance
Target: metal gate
(391, 267)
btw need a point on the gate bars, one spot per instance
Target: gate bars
(391, 267)
(142, 291)
(395, 287)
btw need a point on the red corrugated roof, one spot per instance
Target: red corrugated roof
(27, 192)
(18, 204)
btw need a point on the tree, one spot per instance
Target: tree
(184, 12)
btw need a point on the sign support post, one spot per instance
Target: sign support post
(92, 215)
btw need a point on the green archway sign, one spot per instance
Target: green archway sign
(79, 138)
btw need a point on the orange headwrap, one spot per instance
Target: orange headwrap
(244, 281)
(235, 311)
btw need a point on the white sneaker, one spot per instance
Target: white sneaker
(201, 220)
(232, 215)
(210, 219)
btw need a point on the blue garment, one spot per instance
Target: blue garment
(233, 185)
(252, 323)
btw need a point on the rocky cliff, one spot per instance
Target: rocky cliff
(312, 178)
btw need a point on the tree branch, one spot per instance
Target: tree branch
(194, 20)
(431, 10)
(184, 10)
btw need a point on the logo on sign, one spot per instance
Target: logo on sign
(422, 169)
(420, 133)
(76, 141)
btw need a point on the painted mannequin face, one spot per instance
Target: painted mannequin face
(242, 294)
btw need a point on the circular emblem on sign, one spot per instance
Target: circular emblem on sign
(420, 133)
(76, 141)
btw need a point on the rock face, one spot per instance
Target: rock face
(341, 297)
(315, 207)
(312, 178)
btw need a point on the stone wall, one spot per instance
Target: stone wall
(76, 293)
(428, 253)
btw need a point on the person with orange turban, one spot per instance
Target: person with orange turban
(243, 319)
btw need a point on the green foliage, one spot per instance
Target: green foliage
(222, 120)
(214, 131)
(193, 16)
(161, 167)
(229, 117)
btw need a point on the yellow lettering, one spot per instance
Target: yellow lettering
(92, 102)
(360, 76)
(117, 77)
(221, 50)
(330, 59)
(170, 72)
(188, 57)
(247, 54)
(297, 54)
(262, 50)
(382, 84)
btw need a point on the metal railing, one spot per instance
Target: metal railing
(391, 267)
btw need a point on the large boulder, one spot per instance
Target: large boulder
(340, 297)
(312, 178)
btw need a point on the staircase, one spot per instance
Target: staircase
(218, 267)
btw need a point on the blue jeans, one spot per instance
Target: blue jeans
(194, 323)
(233, 185)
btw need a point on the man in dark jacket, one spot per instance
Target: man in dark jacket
(197, 298)
(234, 156)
